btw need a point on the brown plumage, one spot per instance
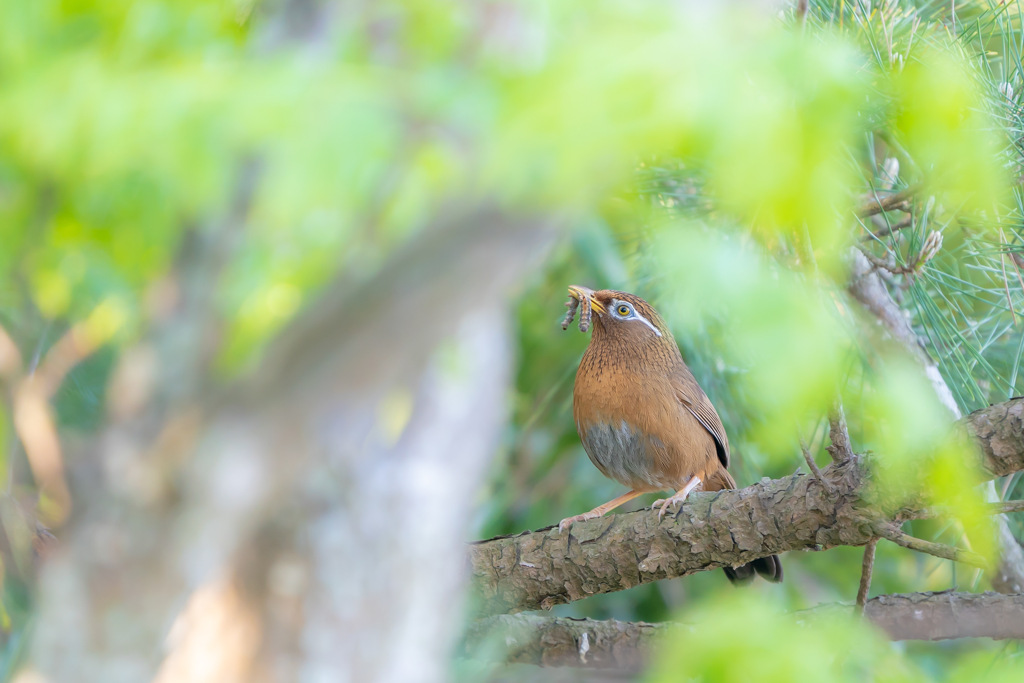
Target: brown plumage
(643, 419)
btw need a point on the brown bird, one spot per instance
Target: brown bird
(643, 419)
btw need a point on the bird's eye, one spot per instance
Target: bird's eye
(623, 310)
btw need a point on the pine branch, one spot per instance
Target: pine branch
(622, 645)
(920, 545)
(867, 567)
(872, 204)
(541, 569)
(867, 287)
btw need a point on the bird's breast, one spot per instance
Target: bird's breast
(621, 451)
(635, 429)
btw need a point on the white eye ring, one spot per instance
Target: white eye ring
(624, 311)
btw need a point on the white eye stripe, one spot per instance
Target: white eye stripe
(633, 315)
(647, 322)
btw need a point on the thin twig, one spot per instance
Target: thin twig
(33, 416)
(1007, 506)
(840, 449)
(872, 204)
(74, 346)
(1002, 508)
(1017, 258)
(928, 250)
(1008, 483)
(1015, 262)
(942, 550)
(865, 574)
(814, 466)
(889, 229)
(1006, 282)
(878, 263)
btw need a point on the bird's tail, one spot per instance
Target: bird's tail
(770, 567)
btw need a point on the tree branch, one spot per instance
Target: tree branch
(1002, 508)
(537, 570)
(999, 432)
(872, 204)
(947, 615)
(841, 450)
(813, 466)
(867, 287)
(562, 641)
(886, 230)
(946, 552)
(1008, 506)
(867, 566)
(545, 568)
(623, 645)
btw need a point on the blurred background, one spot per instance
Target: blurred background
(280, 302)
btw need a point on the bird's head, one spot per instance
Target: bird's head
(622, 317)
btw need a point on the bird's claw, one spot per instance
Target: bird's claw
(675, 502)
(664, 504)
(676, 499)
(569, 521)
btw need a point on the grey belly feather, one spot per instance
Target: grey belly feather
(620, 453)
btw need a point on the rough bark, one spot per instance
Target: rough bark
(999, 432)
(562, 641)
(941, 616)
(623, 645)
(541, 569)
(545, 568)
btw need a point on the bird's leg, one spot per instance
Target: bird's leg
(601, 509)
(677, 498)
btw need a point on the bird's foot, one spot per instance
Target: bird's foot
(662, 505)
(569, 521)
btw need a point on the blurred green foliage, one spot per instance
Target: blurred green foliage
(743, 639)
(708, 159)
(756, 302)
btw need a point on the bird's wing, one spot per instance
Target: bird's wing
(696, 401)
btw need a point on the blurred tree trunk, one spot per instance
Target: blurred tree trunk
(311, 517)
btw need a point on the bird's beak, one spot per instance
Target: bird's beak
(579, 293)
